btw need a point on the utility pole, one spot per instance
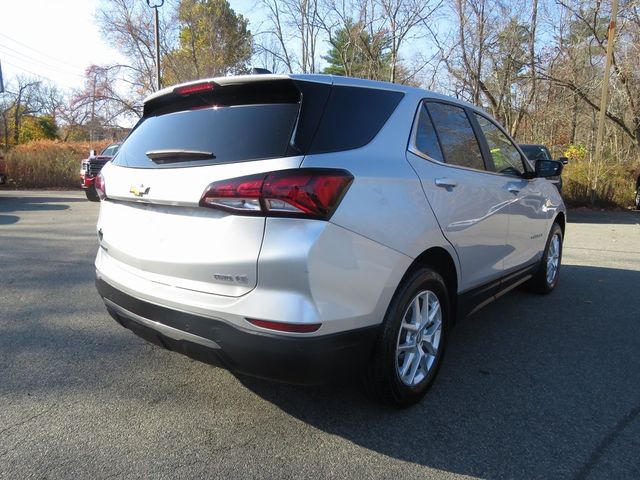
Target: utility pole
(156, 5)
(92, 122)
(604, 99)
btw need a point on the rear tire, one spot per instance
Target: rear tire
(91, 194)
(411, 345)
(546, 278)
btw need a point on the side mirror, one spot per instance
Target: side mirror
(548, 168)
(563, 160)
(92, 153)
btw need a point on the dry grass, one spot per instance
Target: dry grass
(610, 185)
(48, 163)
(53, 164)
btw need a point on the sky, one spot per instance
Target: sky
(55, 39)
(58, 39)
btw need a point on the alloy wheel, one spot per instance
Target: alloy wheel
(553, 259)
(419, 338)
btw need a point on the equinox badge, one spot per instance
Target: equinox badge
(139, 191)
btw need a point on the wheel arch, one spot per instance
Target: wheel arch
(562, 221)
(440, 260)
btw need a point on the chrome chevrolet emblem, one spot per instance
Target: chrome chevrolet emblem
(139, 190)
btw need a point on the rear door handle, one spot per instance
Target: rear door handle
(514, 190)
(446, 182)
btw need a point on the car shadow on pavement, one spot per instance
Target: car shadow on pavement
(8, 219)
(30, 204)
(620, 217)
(530, 384)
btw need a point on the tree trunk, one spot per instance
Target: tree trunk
(16, 121)
(574, 119)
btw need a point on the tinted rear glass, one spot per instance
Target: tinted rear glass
(353, 117)
(110, 151)
(232, 134)
(535, 152)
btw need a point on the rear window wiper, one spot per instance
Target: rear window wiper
(176, 156)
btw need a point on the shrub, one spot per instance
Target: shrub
(55, 164)
(576, 152)
(48, 163)
(613, 186)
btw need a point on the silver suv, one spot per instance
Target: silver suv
(303, 227)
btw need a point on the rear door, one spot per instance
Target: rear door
(469, 203)
(151, 223)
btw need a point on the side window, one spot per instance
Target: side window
(459, 143)
(506, 157)
(352, 117)
(426, 140)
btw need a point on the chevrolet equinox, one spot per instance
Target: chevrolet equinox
(302, 227)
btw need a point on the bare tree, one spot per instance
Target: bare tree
(402, 18)
(494, 59)
(274, 40)
(296, 26)
(268, 53)
(128, 26)
(589, 19)
(99, 103)
(20, 100)
(533, 74)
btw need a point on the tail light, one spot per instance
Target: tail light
(194, 88)
(306, 192)
(99, 185)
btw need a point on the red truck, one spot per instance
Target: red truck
(90, 168)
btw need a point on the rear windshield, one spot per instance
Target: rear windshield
(230, 134)
(110, 151)
(536, 152)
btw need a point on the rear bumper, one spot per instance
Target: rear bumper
(302, 360)
(86, 181)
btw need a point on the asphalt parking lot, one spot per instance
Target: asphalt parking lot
(532, 387)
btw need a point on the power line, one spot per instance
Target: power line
(28, 71)
(35, 59)
(41, 53)
(41, 72)
(35, 62)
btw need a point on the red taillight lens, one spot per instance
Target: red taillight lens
(101, 189)
(197, 88)
(237, 194)
(309, 193)
(305, 192)
(285, 327)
